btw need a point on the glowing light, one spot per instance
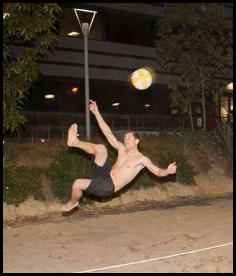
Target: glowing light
(42, 140)
(229, 86)
(75, 90)
(49, 96)
(3, 142)
(147, 105)
(141, 79)
(5, 14)
(115, 104)
(224, 106)
(73, 34)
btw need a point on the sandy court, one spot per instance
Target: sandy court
(80, 243)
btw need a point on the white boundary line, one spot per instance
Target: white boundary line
(155, 259)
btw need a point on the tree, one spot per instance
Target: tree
(30, 27)
(183, 91)
(192, 38)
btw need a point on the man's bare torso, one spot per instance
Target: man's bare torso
(126, 167)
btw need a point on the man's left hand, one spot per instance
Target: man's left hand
(172, 168)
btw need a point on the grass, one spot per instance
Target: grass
(62, 165)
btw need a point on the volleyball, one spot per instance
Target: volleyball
(141, 79)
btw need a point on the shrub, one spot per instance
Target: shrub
(206, 141)
(185, 172)
(9, 156)
(68, 165)
(21, 182)
(186, 140)
(216, 142)
(223, 136)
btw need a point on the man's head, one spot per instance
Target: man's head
(131, 140)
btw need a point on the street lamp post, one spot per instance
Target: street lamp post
(85, 30)
(85, 27)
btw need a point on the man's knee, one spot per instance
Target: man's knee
(76, 185)
(80, 184)
(100, 148)
(100, 155)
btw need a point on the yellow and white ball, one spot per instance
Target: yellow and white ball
(141, 79)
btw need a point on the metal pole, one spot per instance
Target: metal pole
(85, 28)
(32, 135)
(48, 132)
(18, 136)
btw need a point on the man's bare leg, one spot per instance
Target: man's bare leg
(73, 141)
(77, 190)
(98, 150)
(100, 153)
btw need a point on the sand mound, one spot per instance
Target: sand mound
(30, 208)
(211, 184)
(207, 185)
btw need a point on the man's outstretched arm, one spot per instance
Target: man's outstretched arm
(171, 169)
(104, 126)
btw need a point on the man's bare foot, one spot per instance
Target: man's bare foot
(69, 206)
(72, 135)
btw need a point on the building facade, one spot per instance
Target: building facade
(121, 40)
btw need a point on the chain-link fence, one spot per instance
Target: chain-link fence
(43, 126)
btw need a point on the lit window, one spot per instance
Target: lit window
(229, 86)
(73, 34)
(75, 90)
(199, 122)
(5, 14)
(174, 111)
(49, 96)
(224, 107)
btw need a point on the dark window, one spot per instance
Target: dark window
(106, 93)
(69, 24)
(130, 30)
(111, 26)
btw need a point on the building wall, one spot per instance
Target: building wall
(110, 63)
(107, 60)
(111, 60)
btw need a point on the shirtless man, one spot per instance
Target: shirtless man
(107, 179)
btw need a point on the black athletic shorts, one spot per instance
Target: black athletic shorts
(101, 184)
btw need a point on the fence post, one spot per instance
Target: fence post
(128, 121)
(32, 135)
(18, 136)
(63, 135)
(48, 132)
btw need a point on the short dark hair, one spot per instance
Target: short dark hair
(135, 134)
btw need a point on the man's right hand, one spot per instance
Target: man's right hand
(93, 107)
(104, 126)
